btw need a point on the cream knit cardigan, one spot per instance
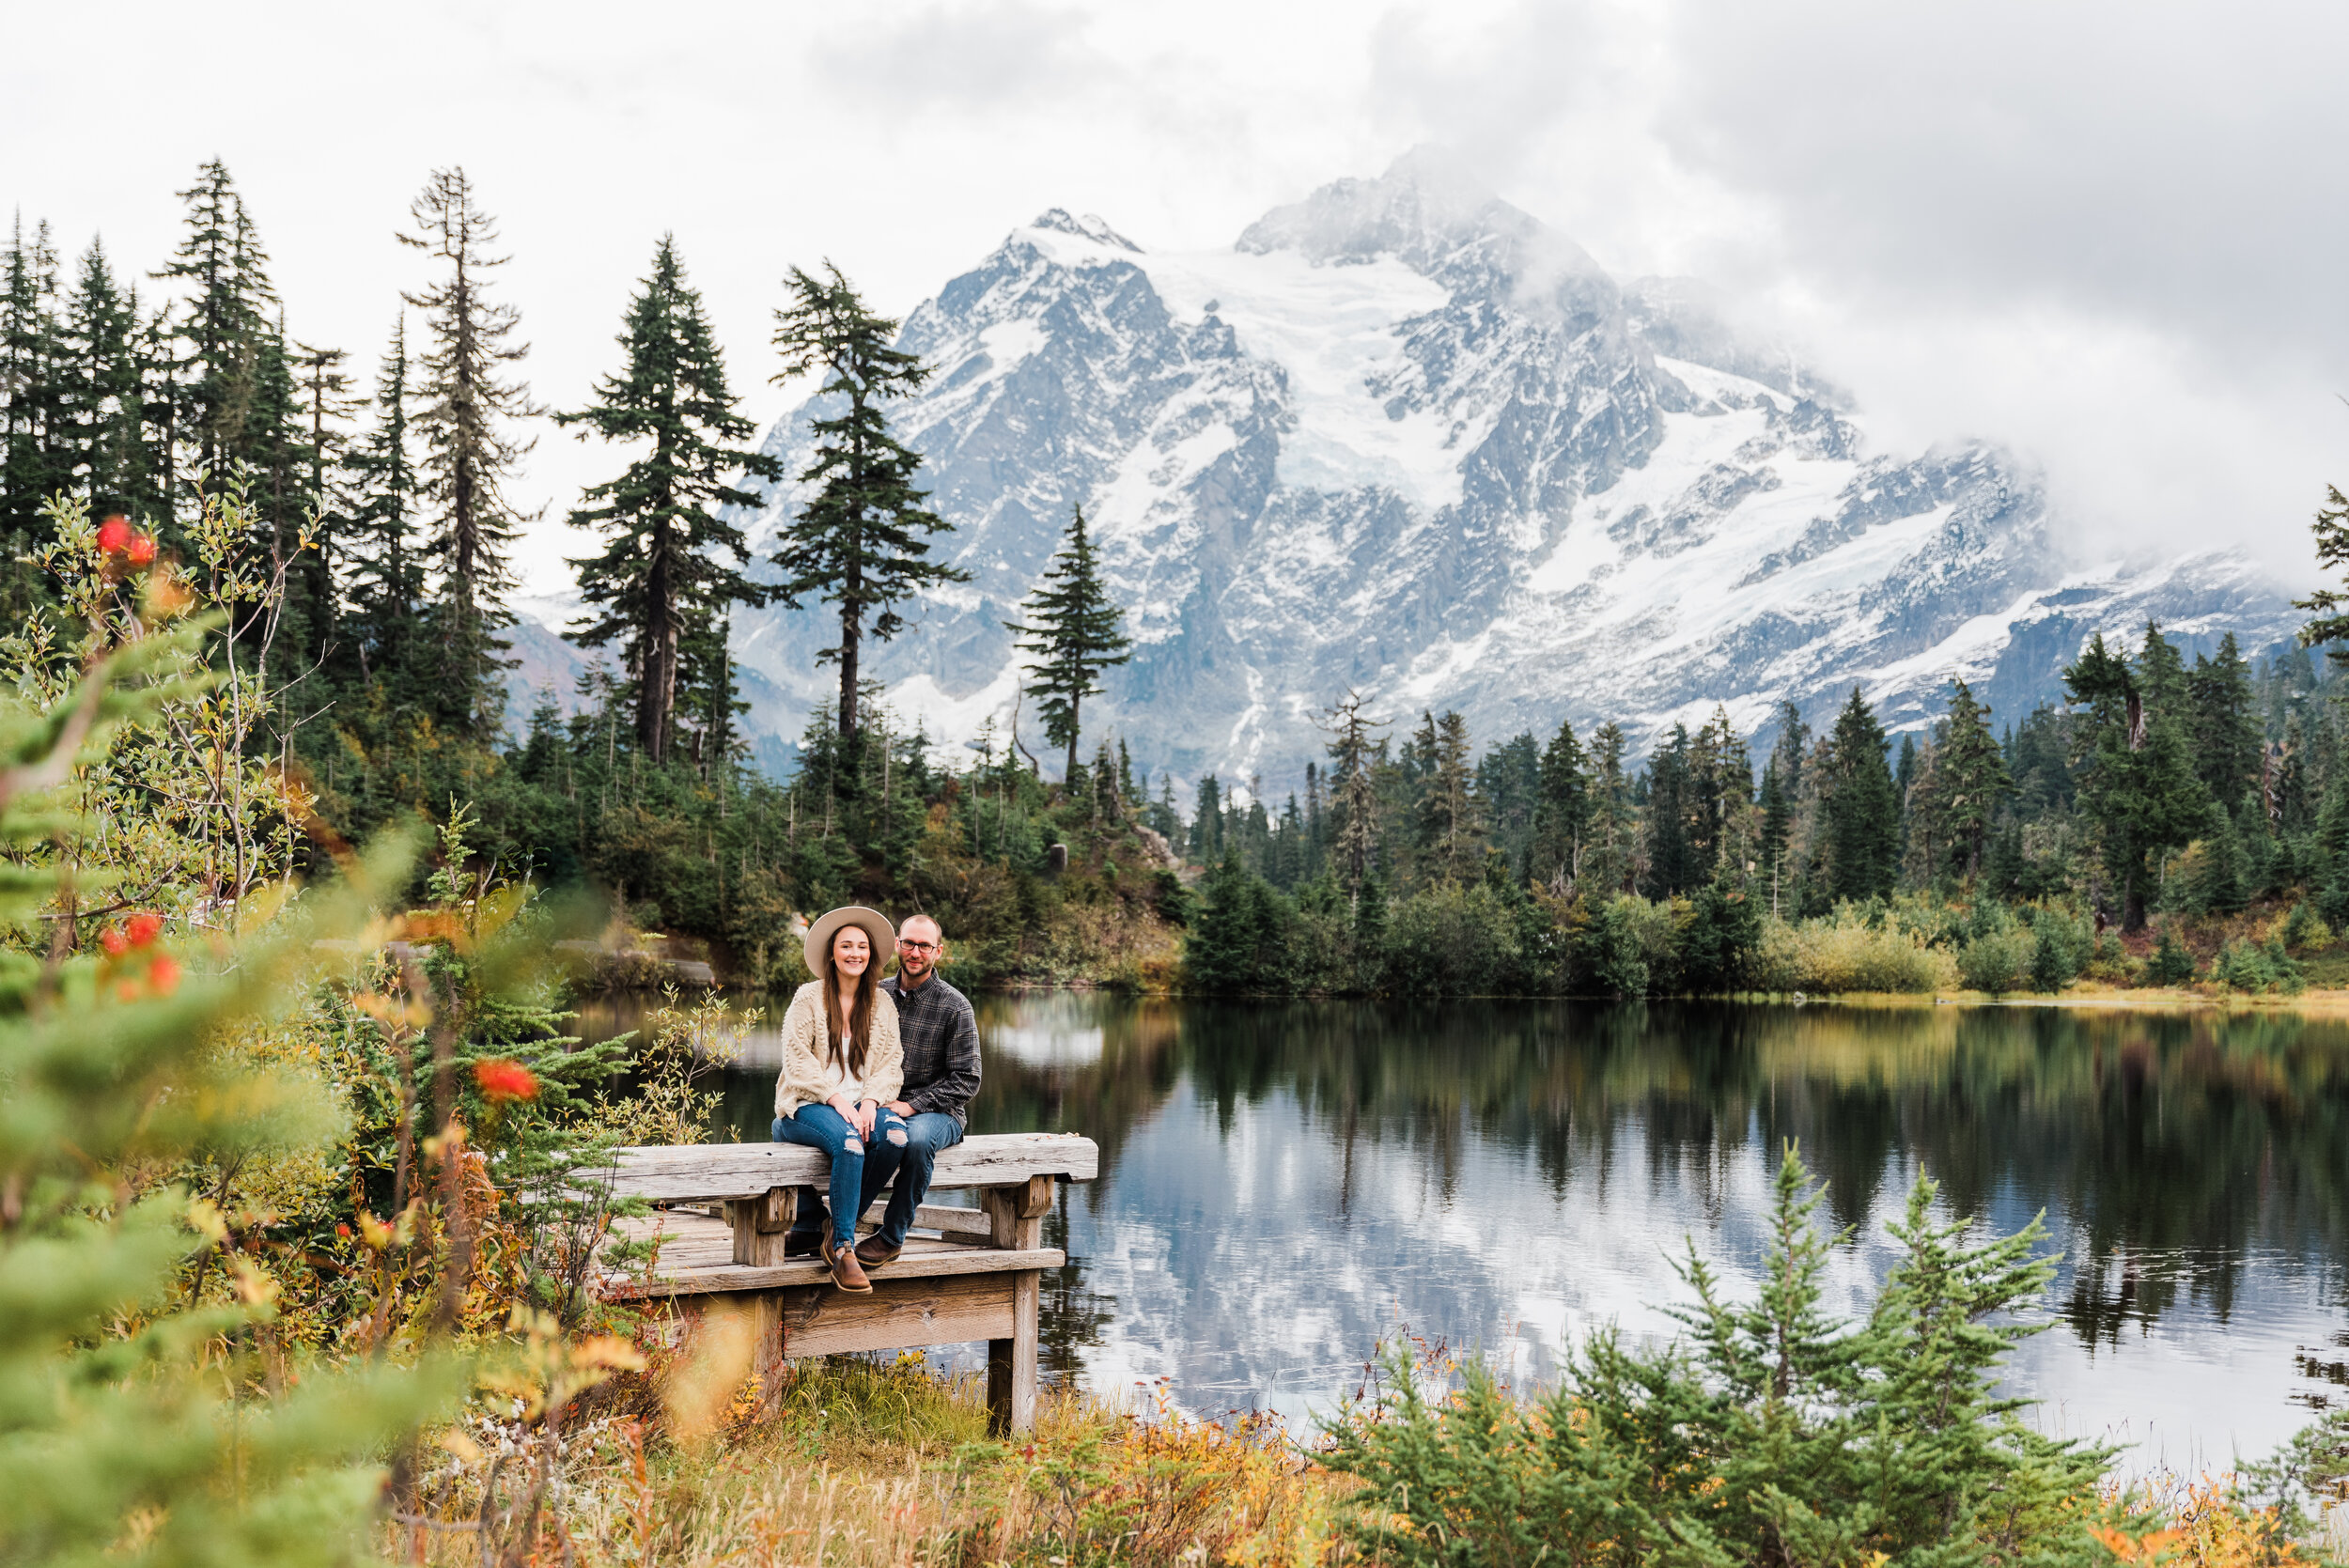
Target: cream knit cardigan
(802, 1080)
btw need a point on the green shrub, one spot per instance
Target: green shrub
(1843, 953)
(1604, 950)
(2060, 947)
(1995, 963)
(1453, 940)
(2171, 963)
(1775, 1434)
(2258, 967)
(2303, 931)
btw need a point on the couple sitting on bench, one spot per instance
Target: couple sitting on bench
(879, 1075)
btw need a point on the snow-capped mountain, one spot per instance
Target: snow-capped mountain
(1402, 439)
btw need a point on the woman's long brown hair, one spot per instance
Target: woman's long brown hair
(860, 1029)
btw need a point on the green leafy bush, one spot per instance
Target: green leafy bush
(2171, 963)
(1995, 963)
(2258, 967)
(1845, 953)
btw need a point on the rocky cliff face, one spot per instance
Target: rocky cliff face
(1404, 440)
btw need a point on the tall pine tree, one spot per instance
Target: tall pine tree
(862, 542)
(386, 579)
(1353, 796)
(112, 469)
(1860, 809)
(2136, 779)
(1450, 815)
(467, 410)
(661, 585)
(35, 419)
(1075, 631)
(1970, 780)
(1562, 811)
(2224, 725)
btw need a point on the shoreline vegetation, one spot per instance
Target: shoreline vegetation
(299, 1221)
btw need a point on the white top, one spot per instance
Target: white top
(836, 1075)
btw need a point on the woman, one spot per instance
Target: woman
(842, 1064)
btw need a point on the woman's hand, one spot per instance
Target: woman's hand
(848, 1108)
(867, 1111)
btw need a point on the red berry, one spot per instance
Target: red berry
(114, 941)
(503, 1081)
(163, 974)
(144, 927)
(112, 535)
(140, 552)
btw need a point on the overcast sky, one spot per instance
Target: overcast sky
(2116, 236)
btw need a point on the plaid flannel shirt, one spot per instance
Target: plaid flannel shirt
(942, 1046)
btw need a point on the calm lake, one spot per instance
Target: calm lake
(1284, 1184)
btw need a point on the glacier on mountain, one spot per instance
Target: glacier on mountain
(1403, 439)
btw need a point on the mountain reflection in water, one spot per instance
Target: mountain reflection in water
(1285, 1184)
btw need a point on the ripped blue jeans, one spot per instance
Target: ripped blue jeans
(859, 1171)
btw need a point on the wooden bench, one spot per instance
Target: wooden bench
(977, 1277)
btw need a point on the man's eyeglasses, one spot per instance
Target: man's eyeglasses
(917, 946)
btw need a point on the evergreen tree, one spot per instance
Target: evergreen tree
(1862, 812)
(226, 310)
(1562, 814)
(1720, 797)
(1235, 942)
(659, 584)
(107, 391)
(1778, 818)
(2136, 778)
(312, 602)
(1206, 823)
(2224, 724)
(386, 579)
(1353, 796)
(1792, 747)
(1451, 817)
(1610, 862)
(35, 448)
(1075, 631)
(1671, 861)
(2330, 624)
(467, 410)
(1972, 781)
(863, 541)
(1509, 783)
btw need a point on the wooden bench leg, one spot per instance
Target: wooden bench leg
(1016, 1218)
(1011, 1363)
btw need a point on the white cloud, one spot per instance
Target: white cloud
(2111, 236)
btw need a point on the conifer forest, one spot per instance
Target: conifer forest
(2174, 820)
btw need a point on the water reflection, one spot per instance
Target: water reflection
(1285, 1184)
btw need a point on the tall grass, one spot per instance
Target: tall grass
(866, 1464)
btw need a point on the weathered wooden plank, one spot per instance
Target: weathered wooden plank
(898, 1315)
(685, 1171)
(1016, 1223)
(759, 1224)
(946, 1261)
(1011, 1361)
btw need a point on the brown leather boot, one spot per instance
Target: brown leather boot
(845, 1271)
(875, 1253)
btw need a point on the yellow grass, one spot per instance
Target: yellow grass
(855, 1464)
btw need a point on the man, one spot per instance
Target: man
(941, 1076)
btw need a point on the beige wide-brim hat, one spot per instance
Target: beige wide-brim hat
(877, 929)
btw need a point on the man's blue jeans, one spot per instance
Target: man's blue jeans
(860, 1168)
(928, 1134)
